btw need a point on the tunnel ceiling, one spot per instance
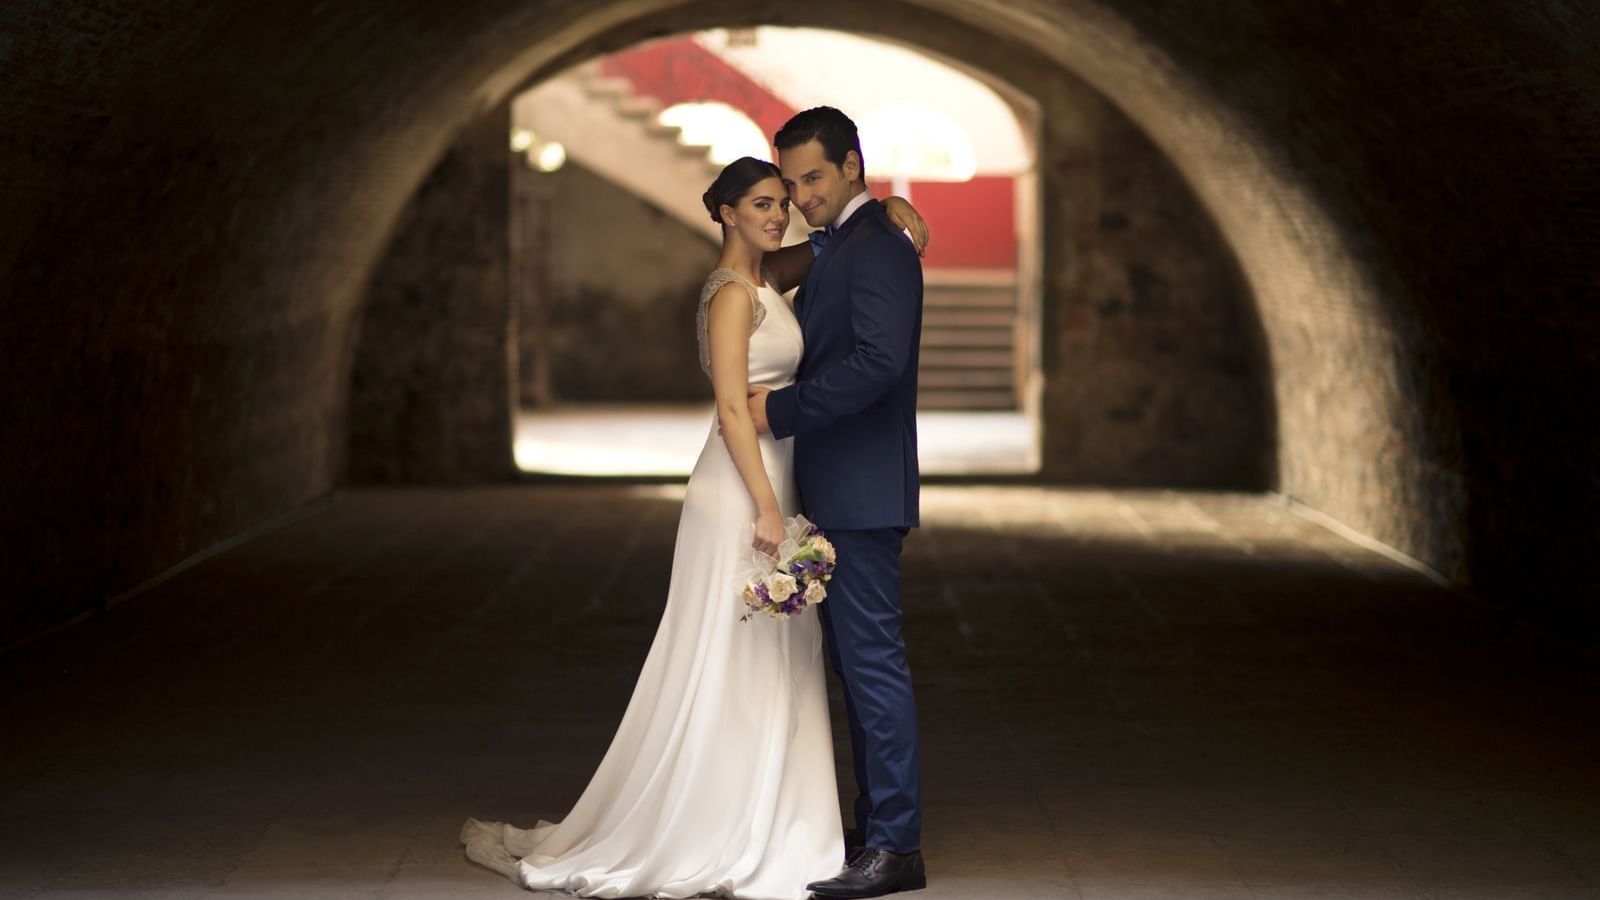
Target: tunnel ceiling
(197, 193)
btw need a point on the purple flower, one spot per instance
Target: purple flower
(761, 591)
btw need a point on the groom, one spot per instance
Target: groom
(852, 412)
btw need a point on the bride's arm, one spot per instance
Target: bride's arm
(728, 332)
(905, 216)
(790, 264)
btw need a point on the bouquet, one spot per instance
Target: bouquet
(784, 585)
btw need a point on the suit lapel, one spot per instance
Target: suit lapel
(813, 279)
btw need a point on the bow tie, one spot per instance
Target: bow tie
(819, 238)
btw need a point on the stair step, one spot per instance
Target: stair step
(965, 400)
(978, 298)
(948, 317)
(645, 108)
(931, 358)
(963, 277)
(967, 337)
(608, 86)
(693, 151)
(963, 378)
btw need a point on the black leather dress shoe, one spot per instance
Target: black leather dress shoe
(873, 873)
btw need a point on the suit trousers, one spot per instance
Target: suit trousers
(862, 622)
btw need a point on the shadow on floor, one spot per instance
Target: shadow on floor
(1122, 694)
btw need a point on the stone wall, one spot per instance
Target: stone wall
(1450, 152)
(432, 386)
(1155, 364)
(624, 281)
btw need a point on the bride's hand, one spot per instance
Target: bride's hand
(904, 215)
(769, 531)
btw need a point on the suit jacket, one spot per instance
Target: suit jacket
(853, 408)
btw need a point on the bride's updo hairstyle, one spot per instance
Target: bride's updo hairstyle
(735, 179)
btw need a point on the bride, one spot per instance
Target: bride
(719, 779)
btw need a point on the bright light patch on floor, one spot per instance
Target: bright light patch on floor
(665, 440)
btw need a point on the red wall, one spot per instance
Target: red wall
(972, 224)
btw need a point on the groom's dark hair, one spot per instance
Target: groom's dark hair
(828, 127)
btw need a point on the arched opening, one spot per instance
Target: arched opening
(1157, 370)
(1319, 304)
(608, 254)
(1331, 339)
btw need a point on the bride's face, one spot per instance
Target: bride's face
(762, 215)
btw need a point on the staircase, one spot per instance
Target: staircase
(613, 132)
(971, 355)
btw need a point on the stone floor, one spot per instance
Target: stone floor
(1123, 695)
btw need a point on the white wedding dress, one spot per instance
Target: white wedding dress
(720, 777)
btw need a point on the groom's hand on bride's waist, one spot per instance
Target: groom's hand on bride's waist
(758, 408)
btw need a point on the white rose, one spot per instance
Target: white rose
(826, 548)
(781, 586)
(815, 592)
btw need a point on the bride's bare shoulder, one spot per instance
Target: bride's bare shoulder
(729, 289)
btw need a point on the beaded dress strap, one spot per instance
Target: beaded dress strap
(719, 277)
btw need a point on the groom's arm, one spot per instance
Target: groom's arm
(883, 314)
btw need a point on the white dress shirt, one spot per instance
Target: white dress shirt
(855, 203)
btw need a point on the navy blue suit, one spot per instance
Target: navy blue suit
(852, 412)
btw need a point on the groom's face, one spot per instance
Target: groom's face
(817, 187)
